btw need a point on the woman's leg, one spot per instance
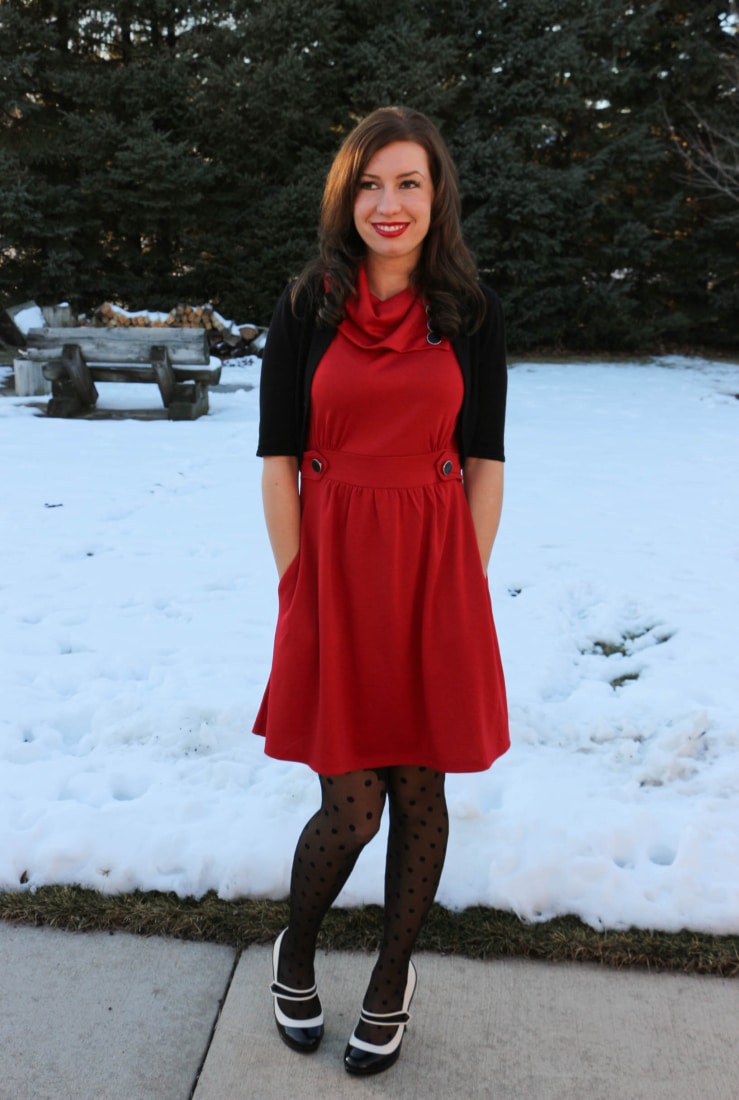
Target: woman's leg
(417, 840)
(328, 848)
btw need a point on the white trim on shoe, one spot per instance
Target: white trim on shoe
(398, 1020)
(287, 993)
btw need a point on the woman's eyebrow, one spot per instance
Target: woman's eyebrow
(400, 175)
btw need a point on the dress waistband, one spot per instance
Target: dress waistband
(381, 471)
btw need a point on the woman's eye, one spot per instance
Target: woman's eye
(410, 183)
(367, 185)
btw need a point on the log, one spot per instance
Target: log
(185, 346)
(9, 331)
(190, 401)
(164, 375)
(64, 400)
(99, 372)
(59, 316)
(29, 378)
(76, 367)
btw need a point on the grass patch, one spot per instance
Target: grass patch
(621, 680)
(609, 649)
(601, 647)
(477, 933)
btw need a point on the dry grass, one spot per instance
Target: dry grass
(478, 932)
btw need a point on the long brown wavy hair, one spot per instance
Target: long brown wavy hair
(445, 276)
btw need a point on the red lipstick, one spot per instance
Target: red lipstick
(390, 229)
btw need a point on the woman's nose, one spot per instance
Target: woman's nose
(388, 201)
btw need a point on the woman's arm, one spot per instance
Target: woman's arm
(483, 484)
(281, 500)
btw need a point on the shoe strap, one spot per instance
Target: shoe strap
(286, 993)
(384, 1019)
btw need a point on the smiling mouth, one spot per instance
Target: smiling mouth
(390, 229)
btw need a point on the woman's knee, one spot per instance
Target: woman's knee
(364, 828)
(352, 806)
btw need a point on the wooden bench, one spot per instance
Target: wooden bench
(74, 359)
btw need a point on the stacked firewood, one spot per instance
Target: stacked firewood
(225, 339)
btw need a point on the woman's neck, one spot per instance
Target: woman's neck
(386, 277)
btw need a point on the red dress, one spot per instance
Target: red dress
(385, 650)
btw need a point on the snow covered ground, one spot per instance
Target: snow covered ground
(137, 601)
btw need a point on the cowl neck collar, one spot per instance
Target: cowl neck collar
(397, 323)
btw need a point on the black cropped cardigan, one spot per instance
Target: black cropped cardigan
(295, 345)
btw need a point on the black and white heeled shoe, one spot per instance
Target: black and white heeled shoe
(363, 1058)
(301, 1035)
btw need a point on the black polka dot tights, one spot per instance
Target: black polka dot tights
(329, 846)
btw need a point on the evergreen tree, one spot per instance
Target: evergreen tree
(666, 60)
(570, 192)
(269, 109)
(93, 123)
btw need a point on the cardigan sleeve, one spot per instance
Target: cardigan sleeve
(490, 383)
(279, 385)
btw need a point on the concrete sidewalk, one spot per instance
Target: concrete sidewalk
(108, 1017)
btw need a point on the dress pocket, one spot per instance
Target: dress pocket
(287, 580)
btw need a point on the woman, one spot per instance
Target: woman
(382, 408)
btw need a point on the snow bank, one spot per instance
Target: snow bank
(138, 603)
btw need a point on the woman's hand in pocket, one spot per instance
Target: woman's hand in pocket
(281, 500)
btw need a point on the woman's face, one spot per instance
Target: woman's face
(392, 209)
